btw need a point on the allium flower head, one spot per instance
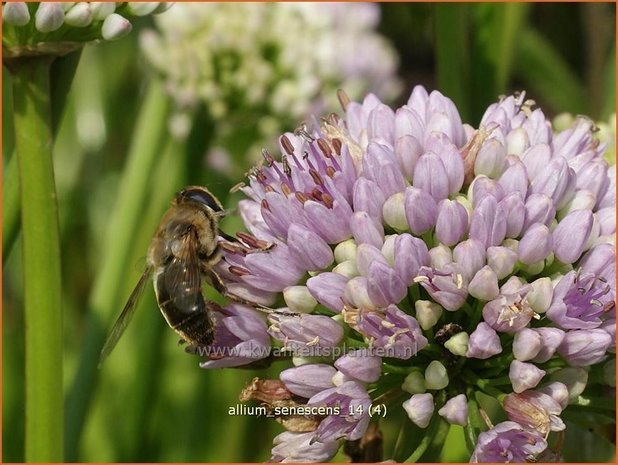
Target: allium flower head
(57, 28)
(457, 257)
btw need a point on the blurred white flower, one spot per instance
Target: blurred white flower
(273, 60)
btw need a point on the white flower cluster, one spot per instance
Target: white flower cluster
(243, 59)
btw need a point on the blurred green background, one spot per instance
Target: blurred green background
(150, 401)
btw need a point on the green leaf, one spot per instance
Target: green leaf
(452, 54)
(547, 74)
(583, 445)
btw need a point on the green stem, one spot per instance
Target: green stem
(10, 207)
(106, 299)
(41, 257)
(61, 76)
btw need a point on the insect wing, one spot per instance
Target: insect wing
(182, 277)
(125, 316)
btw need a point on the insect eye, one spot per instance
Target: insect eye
(202, 196)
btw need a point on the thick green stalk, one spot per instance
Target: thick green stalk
(10, 206)
(106, 299)
(61, 76)
(41, 257)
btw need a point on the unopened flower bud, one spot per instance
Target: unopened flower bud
(101, 10)
(470, 256)
(142, 8)
(524, 375)
(583, 347)
(502, 260)
(575, 379)
(571, 235)
(115, 27)
(484, 342)
(79, 16)
(536, 244)
(440, 256)
(436, 376)
(455, 410)
(517, 141)
(308, 380)
(366, 230)
(421, 210)
(414, 383)
(347, 269)
(49, 17)
(420, 409)
(484, 285)
(539, 298)
(583, 200)
(360, 365)
(551, 338)
(452, 222)
(394, 212)
(299, 299)
(458, 344)
(430, 176)
(490, 160)
(15, 13)
(557, 391)
(526, 344)
(327, 288)
(427, 313)
(539, 209)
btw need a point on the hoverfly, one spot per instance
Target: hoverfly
(183, 250)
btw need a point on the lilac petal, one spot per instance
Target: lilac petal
(536, 158)
(470, 256)
(421, 210)
(308, 249)
(491, 159)
(328, 289)
(360, 365)
(330, 223)
(366, 254)
(420, 409)
(539, 209)
(381, 166)
(551, 338)
(536, 244)
(515, 213)
(571, 234)
(455, 410)
(452, 222)
(301, 447)
(527, 344)
(410, 255)
(381, 124)
(366, 230)
(524, 375)
(515, 179)
(556, 180)
(384, 286)
(431, 177)
(408, 150)
(508, 442)
(584, 347)
(483, 342)
(488, 222)
(368, 197)
(308, 380)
